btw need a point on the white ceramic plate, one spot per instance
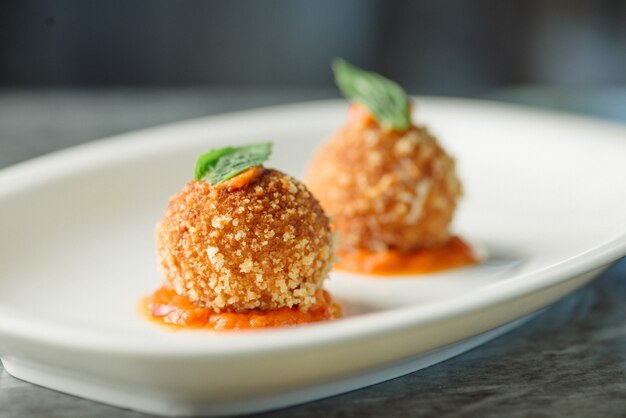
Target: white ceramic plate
(544, 196)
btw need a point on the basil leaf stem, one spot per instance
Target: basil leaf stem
(383, 97)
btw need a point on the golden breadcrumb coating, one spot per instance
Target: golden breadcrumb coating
(385, 189)
(265, 245)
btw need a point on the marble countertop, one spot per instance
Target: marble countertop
(568, 361)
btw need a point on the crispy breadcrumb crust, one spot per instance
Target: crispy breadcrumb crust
(266, 245)
(385, 189)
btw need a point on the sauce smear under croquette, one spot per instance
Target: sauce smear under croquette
(455, 253)
(168, 307)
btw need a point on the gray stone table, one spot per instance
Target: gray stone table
(568, 361)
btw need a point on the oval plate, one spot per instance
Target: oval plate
(544, 198)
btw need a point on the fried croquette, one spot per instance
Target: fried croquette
(262, 245)
(385, 189)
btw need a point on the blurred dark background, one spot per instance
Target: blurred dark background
(438, 47)
(72, 71)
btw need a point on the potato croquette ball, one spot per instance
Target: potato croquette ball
(385, 189)
(386, 183)
(263, 244)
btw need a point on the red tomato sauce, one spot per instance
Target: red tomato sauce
(455, 253)
(168, 307)
(242, 179)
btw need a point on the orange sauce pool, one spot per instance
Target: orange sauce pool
(455, 253)
(164, 305)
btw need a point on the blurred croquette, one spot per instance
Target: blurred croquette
(385, 187)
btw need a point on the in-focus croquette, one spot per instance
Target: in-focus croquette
(385, 189)
(265, 245)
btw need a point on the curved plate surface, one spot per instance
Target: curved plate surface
(543, 197)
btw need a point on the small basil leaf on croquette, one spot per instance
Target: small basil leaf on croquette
(384, 98)
(221, 164)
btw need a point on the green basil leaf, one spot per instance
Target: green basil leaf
(383, 97)
(221, 164)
